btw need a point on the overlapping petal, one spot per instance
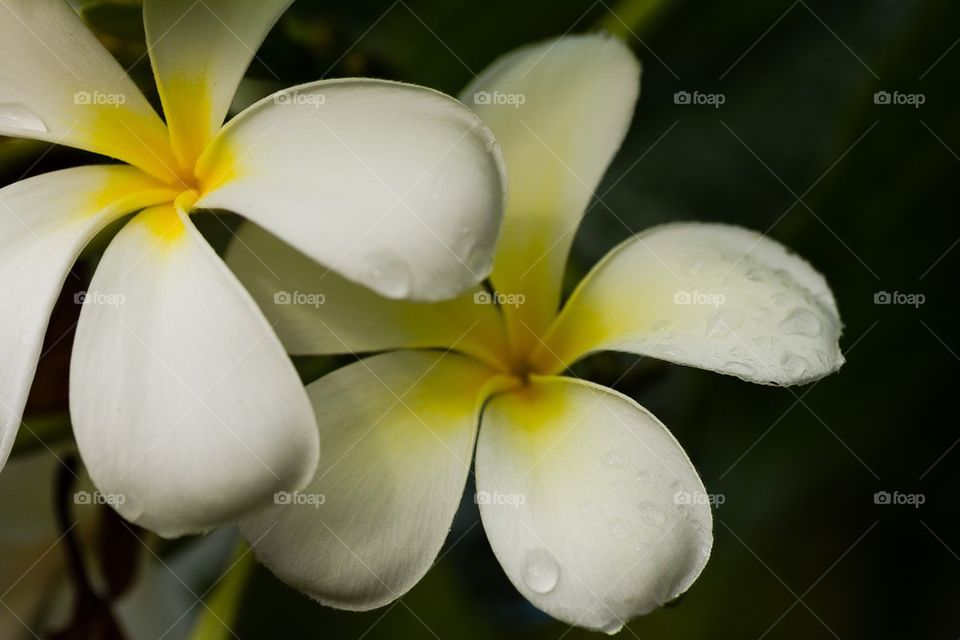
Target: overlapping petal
(57, 83)
(560, 109)
(593, 508)
(315, 311)
(45, 222)
(397, 187)
(184, 404)
(199, 52)
(711, 296)
(398, 432)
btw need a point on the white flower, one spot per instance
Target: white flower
(591, 506)
(182, 398)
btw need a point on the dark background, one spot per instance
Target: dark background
(866, 192)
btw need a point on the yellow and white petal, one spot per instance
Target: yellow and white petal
(560, 110)
(590, 504)
(57, 83)
(398, 432)
(45, 222)
(394, 186)
(199, 52)
(315, 311)
(710, 296)
(182, 398)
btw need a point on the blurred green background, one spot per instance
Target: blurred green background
(799, 149)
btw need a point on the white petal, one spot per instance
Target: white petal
(45, 222)
(711, 296)
(200, 51)
(394, 186)
(183, 401)
(398, 432)
(316, 311)
(589, 503)
(57, 83)
(560, 110)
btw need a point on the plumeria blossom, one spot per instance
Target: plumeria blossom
(591, 506)
(182, 399)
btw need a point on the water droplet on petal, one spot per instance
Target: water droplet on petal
(800, 322)
(479, 262)
(615, 459)
(723, 323)
(794, 365)
(696, 524)
(780, 299)
(756, 275)
(671, 353)
(620, 528)
(541, 572)
(652, 514)
(18, 116)
(643, 477)
(388, 274)
(738, 368)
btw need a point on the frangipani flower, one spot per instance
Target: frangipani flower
(591, 506)
(182, 398)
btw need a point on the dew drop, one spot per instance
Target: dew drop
(756, 275)
(615, 459)
(620, 528)
(723, 323)
(18, 116)
(388, 274)
(672, 353)
(696, 525)
(738, 352)
(800, 322)
(794, 365)
(738, 368)
(652, 514)
(540, 570)
(780, 299)
(479, 262)
(643, 477)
